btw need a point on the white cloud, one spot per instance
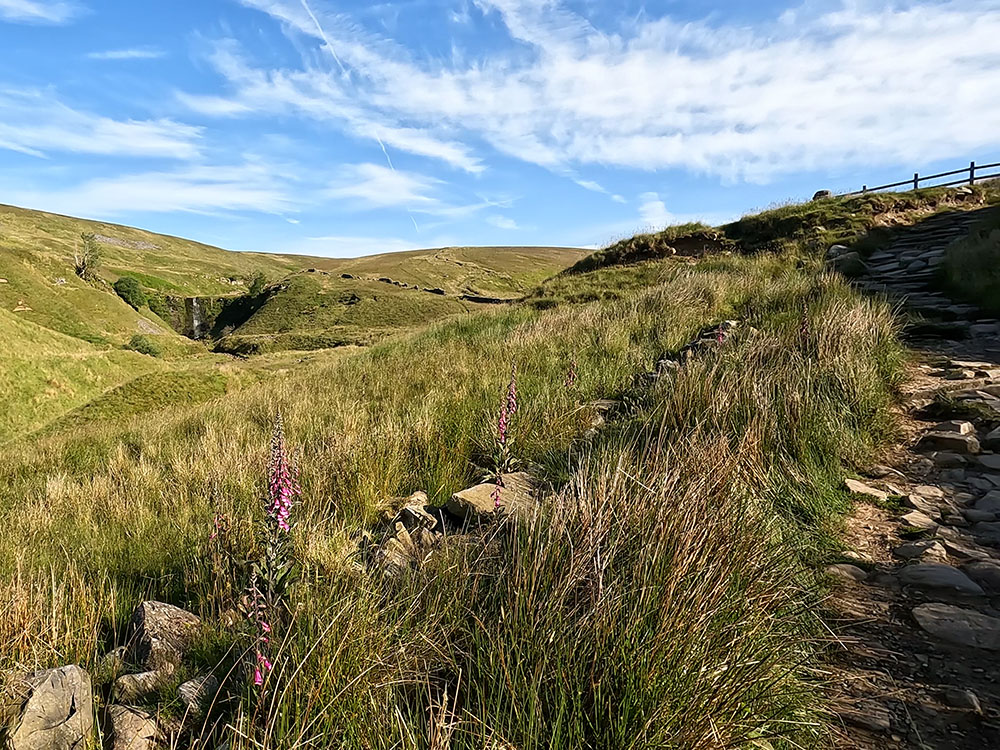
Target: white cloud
(322, 95)
(502, 222)
(247, 187)
(826, 86)
(136, 53)
(38, 11)
(594, 187)
(35, 122)
(375, 186)
(653, 211)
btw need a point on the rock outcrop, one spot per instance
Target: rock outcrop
(58, 711)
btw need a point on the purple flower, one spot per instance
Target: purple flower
(283, 479)
(571, 376)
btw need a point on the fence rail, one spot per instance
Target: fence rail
(974, 171)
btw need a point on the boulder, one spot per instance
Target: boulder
(990, 502)
(932, 550)
(58, 713)
(964, 551)
(404, 550)
(132, 688)
(953, 442)
(132, 728)
(199, 694)
(987, 532)
(973, 515)
(938, 576)
(835, 251)
(992, 440)
(925, 506)
(948, 460)
(927, 490)
(860, 488)
(918, 520)
(161, 634)
(962, 627)
(956, 425)
(991, 462)
(846, 572)
(986, 573)
(965, 699)
(850, 264)
(821, 194)
(477, 504)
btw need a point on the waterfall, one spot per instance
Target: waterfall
(196, 319)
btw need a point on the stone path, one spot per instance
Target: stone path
(906, 270)
(917, 610)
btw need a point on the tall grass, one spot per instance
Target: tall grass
(658, 597)
(972, 266)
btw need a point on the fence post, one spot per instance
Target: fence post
(916, 181)
(864, 188)
(972, 173)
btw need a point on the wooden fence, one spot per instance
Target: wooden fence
(971, 175)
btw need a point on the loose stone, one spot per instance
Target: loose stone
(963, 627)
(938, 576)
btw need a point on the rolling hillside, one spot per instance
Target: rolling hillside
(65, 335)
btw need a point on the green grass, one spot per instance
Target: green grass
(44, 373)
(662, 596)
(972, 267)
(334, 311)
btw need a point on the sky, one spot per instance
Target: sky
(349, 127)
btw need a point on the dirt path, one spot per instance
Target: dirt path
(916, 616)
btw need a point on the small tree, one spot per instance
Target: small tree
(257, 284)
(130, 290)
(144, 345)
(87, 260)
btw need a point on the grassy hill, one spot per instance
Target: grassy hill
(36, 265)
(662, 590)
(306, 303)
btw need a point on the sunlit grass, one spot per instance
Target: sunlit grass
(659, 597)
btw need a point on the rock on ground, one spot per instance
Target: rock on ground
(131, 688)
(199, 693)
(132, 728)
(938, 576)
(846, 572)
(950, 441)
(59, 712)
(860, 488)
(476, 504)
(986, 573)
(963, 627)
(932, 550)
(162, 633)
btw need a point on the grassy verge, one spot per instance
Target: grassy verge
(658, 598)
(972, 266)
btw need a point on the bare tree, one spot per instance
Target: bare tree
(87, 260)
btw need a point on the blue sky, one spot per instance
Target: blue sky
(340, 127)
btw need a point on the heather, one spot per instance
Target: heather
(660, 595)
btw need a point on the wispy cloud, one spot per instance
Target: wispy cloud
(136, 53)
(653, 211)
(374, 186)
(322, 95)
(825, 85)
(35, 122)
(245, 187)
(38, 11)
(502, 222)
